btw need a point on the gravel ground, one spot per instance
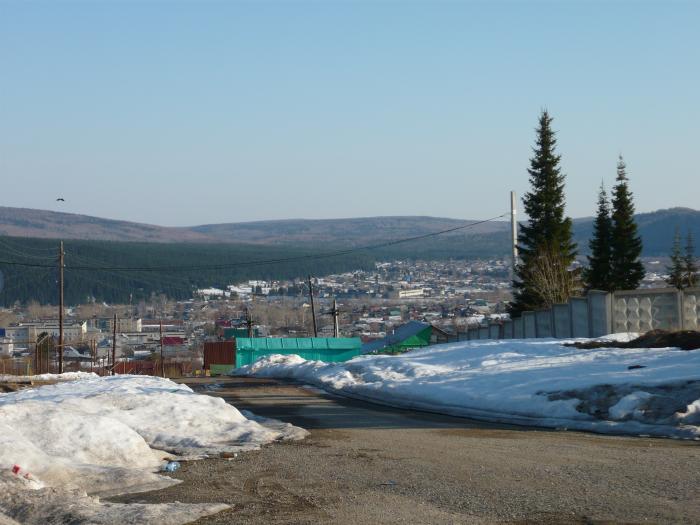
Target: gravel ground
(368, 464)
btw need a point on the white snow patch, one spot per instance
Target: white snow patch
(65, 376)
(629, 406)
(534, 382)
(620, 337)
(103, 436)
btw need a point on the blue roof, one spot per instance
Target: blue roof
(400, 334)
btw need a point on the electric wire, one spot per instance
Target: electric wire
(19, 253)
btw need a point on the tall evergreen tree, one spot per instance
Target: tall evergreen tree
(690, 267)
(547, 235)
(597, 275)
(676, 269)
(626, 267)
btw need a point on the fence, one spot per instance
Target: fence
(602, 313)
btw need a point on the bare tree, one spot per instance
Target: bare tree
(552, 280)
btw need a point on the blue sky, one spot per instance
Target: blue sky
(181, 113)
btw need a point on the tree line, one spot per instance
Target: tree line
(545, 273)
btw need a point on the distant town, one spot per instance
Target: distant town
(450, 296)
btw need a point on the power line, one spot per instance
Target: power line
(263, 261)
(20, 253)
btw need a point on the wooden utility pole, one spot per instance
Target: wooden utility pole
(60, 308)
(162, 362)
(114, 345)
(37, 356)
(336, 314)
(249, 323)
(313, 310)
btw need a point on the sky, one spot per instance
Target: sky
(183, 113)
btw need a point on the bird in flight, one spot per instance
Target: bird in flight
(61, 199)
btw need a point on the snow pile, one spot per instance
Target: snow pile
(109, 435)
(534, 382)
(66, 376)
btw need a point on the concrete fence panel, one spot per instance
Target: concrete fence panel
(508, 329)
(473, 333)
(691, 309)
(580, 326)
(644, 310)
(529, 325)
(561, 315)
(494, 331)
(484, 332)
(599, 313)
(543, 323)
(518, 328)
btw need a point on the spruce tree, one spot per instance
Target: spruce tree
(626, 267)
(547, 235)
(597, 275)
(676, 269)
(690, 267)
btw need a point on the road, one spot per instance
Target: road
(364, 463)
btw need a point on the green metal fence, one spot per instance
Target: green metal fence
(329, 350)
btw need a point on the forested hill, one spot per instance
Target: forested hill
(39, 283)
(656, 228)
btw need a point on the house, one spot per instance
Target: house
(413, 334)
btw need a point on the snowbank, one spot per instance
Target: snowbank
(533, 382)
(66, 376)
(109, 435)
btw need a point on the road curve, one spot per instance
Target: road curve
(364, 463)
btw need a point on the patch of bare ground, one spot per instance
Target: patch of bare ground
(683, 339)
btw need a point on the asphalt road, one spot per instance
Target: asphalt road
(364, 463)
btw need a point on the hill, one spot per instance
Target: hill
(24, 222)
(221, 245)
(656, 229)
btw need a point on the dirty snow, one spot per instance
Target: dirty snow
(102, 436)
(534, 382)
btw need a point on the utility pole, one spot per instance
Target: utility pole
(60, 308)
(513, 231)
(114, 345)
(313, 310)
(249, 323)
(335, 313)
(162, 363)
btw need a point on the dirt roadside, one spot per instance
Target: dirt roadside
(368, 464)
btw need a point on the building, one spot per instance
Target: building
(413, 334)
(73, 331)
(411, 293)
(6, 346)
(126, 324)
